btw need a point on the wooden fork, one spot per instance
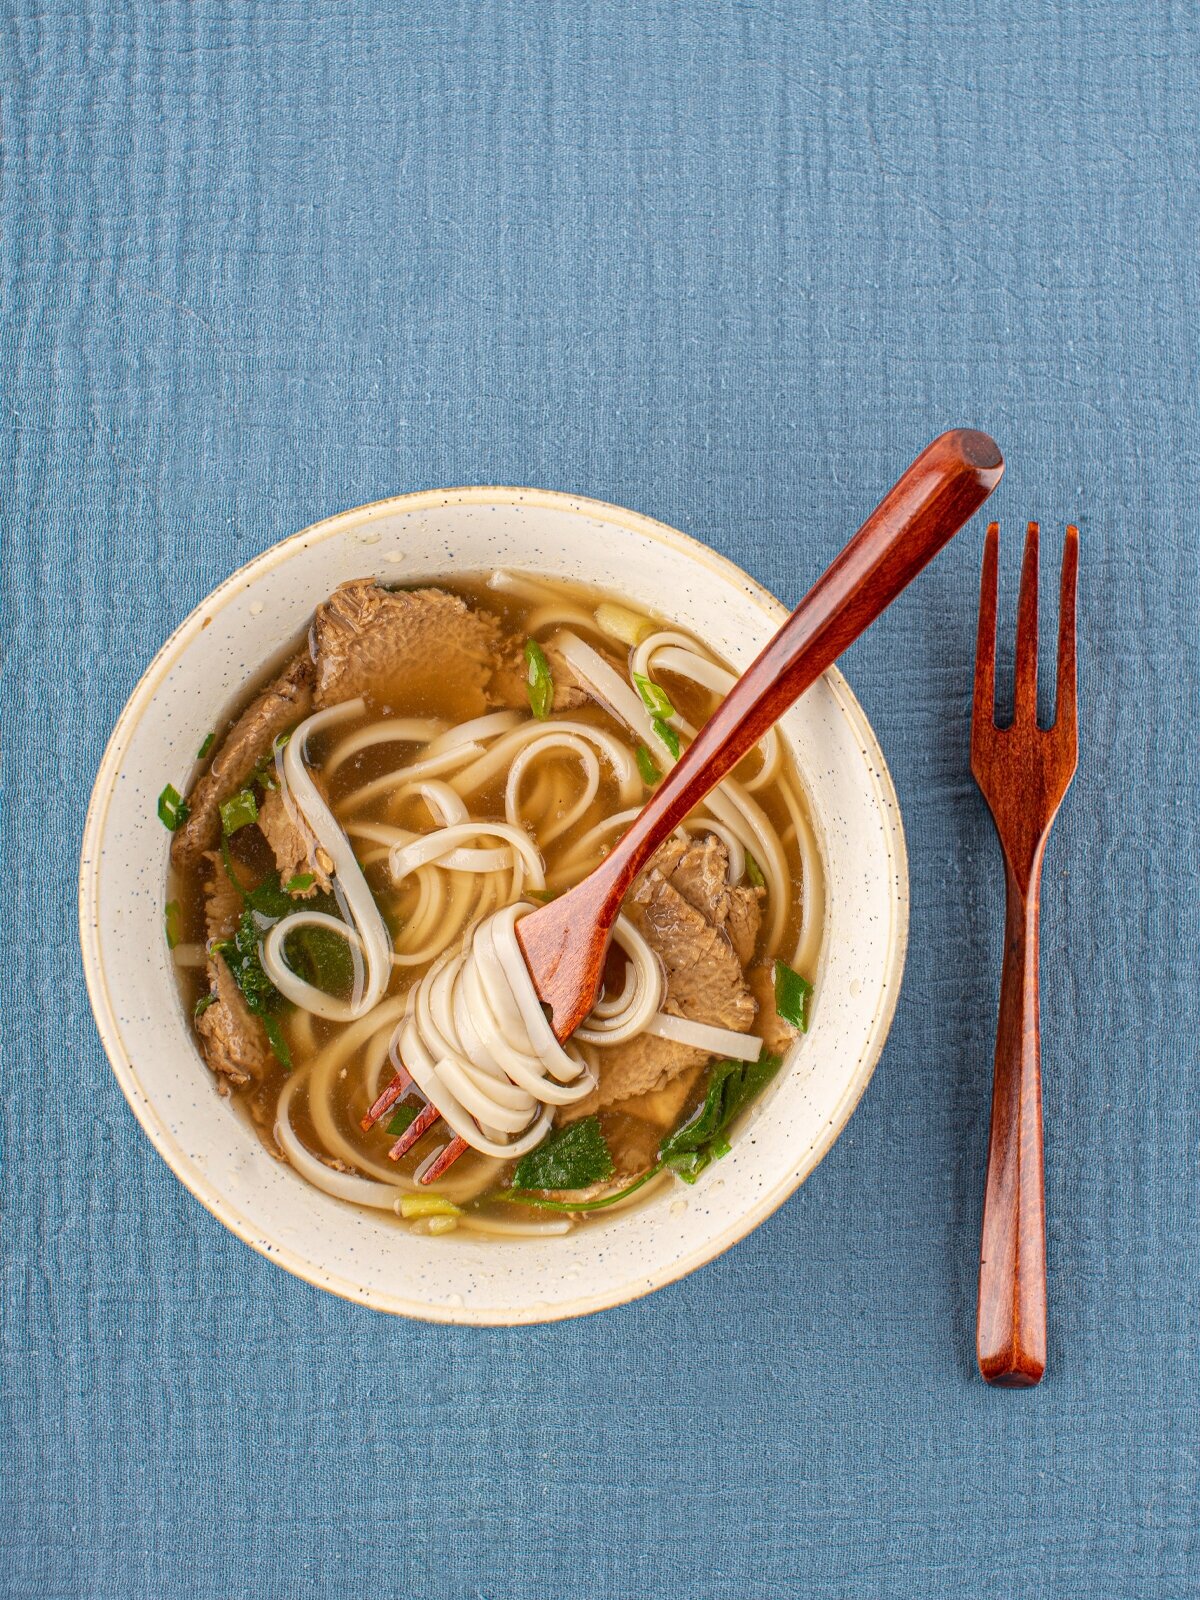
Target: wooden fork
(1023, 771)
(565, 942)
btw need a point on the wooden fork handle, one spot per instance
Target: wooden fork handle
(940, 491)
(1011, 1333)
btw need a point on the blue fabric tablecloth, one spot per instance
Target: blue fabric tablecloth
(731, 264)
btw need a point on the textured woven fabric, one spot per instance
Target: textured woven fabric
(731, 264)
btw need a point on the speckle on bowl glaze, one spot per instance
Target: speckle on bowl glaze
(367, 1256)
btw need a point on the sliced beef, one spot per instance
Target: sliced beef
(777, 1035)
(404, 647)
(223, 901)
(295, 852)
(699, 871)
(233, 1039)
(681, 905)
(286, 702)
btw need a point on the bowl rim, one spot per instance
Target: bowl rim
(210, 1193)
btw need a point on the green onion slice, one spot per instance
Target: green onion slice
(646, 766)
(539, 684)
(655, 700)
(172, 808)
(238, 811)
(792, 994)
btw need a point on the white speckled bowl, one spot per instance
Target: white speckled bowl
(364, 1255)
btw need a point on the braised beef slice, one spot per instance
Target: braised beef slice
(777, 1034)
(681, 905)
(404, 648)
(287, 701)
(295, 853)
(233, 1039)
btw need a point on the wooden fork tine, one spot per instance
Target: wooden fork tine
(443, 1161)
(984, 712)
(415, 1130)
(1065, 702)
(398, 1086)
(1025, 691)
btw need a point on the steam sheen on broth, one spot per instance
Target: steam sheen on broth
(360, 840)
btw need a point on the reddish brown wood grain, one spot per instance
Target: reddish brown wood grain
(1023, 772)
(566, 941)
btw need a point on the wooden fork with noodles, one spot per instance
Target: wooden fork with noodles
(564, 944)
(1023, 771)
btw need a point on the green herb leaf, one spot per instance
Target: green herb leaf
(322, 958)
(277, 1042)
(791, 996)
(239, 811)
(754, 872)
(203, 1004)
(731, 1087)
(301, 882)
(544, 895)
(209, 741)
(405, 1114)
(575, 1157)
(172, 808)
(269, 900)
(646, 766)
(539, 684)
(174, 923)
(240, 955)
(667, 734)
(655, 700)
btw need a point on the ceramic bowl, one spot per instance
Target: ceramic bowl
(368, 1256)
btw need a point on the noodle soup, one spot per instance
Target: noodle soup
(350, 862)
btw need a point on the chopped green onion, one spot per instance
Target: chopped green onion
(238, 811)
(544, 895)
(718, 1147)
(174, 923)
(299, 884)
(203, 1004)
(667, 734)
(539, 684)
(405, 1114)
(655, 700)
(209, 741)
(646, 766)
(754, 872)
(791, 996)
(428, 1205)
(172, 809)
